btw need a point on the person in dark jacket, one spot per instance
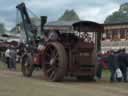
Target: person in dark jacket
(122, 58)
(118, 75)
(99, 66)
(112, 62)
(126, 56)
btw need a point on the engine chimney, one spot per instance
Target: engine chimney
(43, 21)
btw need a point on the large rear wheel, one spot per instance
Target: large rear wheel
(55, 61)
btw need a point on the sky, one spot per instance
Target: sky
(94, 10)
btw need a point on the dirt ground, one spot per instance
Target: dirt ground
(14, 84)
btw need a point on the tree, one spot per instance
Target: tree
(119, 16)
(69, 15)
(2, 28)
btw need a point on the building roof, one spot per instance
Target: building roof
(85, 26)
(60, 23)
(120, 23)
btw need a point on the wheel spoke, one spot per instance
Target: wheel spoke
(52, 75)
(48, 54)
(50, 69)
(54, 52)
(51, 49)
(56, 55)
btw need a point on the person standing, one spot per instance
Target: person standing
(7, 56)
(99, 66)
(12, 58)
(123, 63)
(112, 60)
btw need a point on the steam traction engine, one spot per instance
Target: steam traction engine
(72, 54)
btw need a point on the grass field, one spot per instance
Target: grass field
(14, 84)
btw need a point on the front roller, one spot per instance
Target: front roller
(54, 61)
(27, 67)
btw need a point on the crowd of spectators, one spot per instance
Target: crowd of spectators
(116, 62)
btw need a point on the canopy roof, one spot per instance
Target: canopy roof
(88, 26)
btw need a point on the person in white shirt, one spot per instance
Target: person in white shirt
(7, 56)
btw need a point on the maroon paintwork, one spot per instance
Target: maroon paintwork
(81, 55)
